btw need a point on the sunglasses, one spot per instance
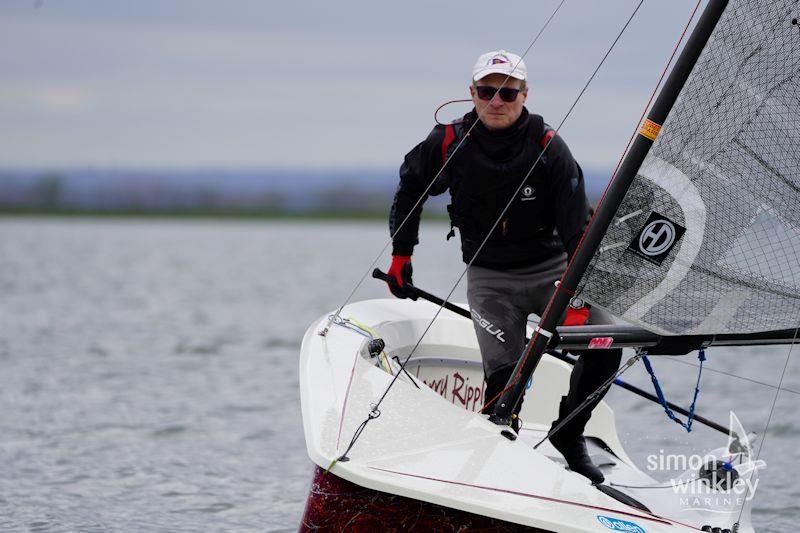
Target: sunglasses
(507, 94)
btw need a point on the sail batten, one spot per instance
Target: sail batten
(707, 237)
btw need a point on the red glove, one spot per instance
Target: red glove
(400, 271)
(577, 315)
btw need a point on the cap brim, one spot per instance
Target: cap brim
(495, 70)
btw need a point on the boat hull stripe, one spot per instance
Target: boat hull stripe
(525, 494)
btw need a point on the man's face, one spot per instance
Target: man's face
(495, 113)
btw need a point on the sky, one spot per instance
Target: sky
(314, 84)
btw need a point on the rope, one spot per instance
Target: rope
(514, 195)
(373, 414)
(769, 420)
(622, 157)
(541, 31)
(507, 206)
(353, 325)
(663, 401)
(424, 194)
(559, 285)
(655, 90)
(589, 399)
(737, 376)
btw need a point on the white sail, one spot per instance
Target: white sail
(707, 238)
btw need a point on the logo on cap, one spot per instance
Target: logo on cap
(498, 60)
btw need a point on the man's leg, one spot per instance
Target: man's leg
(499, 325)
(593, 368)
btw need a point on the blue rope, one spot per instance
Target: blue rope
(663, 401)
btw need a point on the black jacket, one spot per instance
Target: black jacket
(548, 214)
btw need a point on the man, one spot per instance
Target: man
(514, 272)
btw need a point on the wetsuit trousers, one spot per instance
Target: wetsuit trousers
(500, 302)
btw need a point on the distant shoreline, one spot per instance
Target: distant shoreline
(206, 214)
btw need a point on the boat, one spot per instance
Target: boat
(694, 245)
(430, 445)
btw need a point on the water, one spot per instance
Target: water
(149, 373)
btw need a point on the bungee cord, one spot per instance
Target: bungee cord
(662, 399)
(375, 412)
(424, 194)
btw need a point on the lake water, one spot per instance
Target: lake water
(149, 373)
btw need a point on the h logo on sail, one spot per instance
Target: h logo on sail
(656, 238)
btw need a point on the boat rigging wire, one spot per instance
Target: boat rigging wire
(602, 198)
(606, 384)
(497, 221)
(424, 194)
(766, 427)
(730, 374)
(658, 85)
(516, 193)
(558, 354)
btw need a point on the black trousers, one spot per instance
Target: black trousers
(500, 302)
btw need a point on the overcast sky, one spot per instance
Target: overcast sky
(245, 83)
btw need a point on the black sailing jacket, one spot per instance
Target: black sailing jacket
(548, 214)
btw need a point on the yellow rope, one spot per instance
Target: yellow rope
(385, 363)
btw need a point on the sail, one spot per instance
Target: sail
(707, 238)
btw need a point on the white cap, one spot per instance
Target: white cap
(499, 62)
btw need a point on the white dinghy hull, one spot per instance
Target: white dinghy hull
(430, 446)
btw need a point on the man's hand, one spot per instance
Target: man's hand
(400, 273)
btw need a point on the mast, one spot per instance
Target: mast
(608, 207)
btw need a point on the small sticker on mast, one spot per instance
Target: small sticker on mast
(650, 129)
(601, 343)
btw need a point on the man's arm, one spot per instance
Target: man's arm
(419, 167)
(568, 193)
